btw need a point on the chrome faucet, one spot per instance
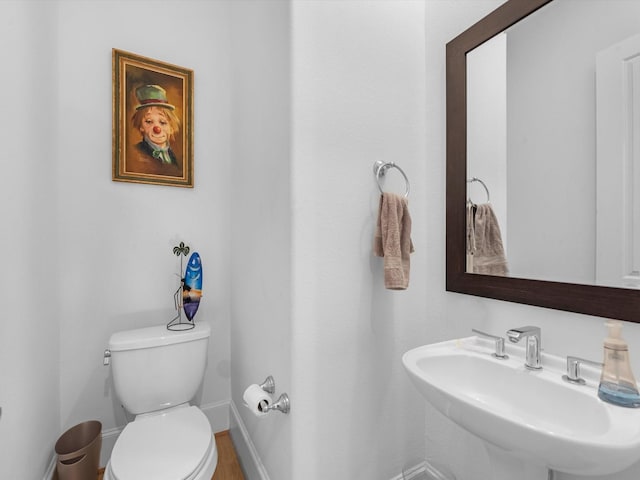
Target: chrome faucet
(533, 347)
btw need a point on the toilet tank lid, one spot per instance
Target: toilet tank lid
(156, 336)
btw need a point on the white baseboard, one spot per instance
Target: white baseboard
(416, 472)
(217, 413)
(250, 461)
(48, 474)
(109, 438)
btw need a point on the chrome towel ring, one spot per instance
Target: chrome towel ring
(380, 169)
(476, 179)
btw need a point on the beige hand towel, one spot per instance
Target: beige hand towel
(486, 248)
(392, 240)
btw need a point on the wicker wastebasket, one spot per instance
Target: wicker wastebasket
(78, 451)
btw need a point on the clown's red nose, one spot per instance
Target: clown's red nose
(156, 129)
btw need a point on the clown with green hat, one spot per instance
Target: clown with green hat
(157, 123)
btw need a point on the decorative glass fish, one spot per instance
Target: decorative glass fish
(192, 289)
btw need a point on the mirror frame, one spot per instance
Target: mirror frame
(609, 302)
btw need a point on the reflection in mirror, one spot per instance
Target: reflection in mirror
(547, 131)
(545, 119)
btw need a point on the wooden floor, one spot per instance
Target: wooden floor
(228, 467)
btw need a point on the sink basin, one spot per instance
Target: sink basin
(533, 415)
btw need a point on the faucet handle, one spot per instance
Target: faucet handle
(573, 369)
(499, 343)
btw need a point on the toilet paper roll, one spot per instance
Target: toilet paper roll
(253, 398)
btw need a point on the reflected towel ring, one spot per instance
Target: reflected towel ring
(380, 169)
(476, 179)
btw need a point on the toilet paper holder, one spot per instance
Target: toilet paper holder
(282, 404)
(269, 385)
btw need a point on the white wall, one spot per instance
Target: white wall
(358, 96)
(261, 225)
(330, 88)
(321, 91)
(487, 127)
(88, 256)
(562, 165)
(124, 233)
(29, 292)
(563, 333)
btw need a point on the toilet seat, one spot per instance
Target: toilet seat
(171, 445)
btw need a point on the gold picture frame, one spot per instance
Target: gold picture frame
(152, 121)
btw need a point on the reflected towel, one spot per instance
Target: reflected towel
(392, 240)
(485, 252)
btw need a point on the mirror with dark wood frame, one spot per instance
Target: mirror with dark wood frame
(610, 302)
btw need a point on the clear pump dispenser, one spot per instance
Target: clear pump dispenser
(617, 383)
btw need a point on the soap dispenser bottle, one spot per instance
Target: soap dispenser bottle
(617, 383)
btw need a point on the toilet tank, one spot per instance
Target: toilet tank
(155, 368)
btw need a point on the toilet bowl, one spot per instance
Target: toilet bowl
(156, 372)
(173, 445)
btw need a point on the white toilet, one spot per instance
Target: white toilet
(156, 372)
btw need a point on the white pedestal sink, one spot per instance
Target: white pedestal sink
(530, 421)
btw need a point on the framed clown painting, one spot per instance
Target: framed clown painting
(152, 121)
